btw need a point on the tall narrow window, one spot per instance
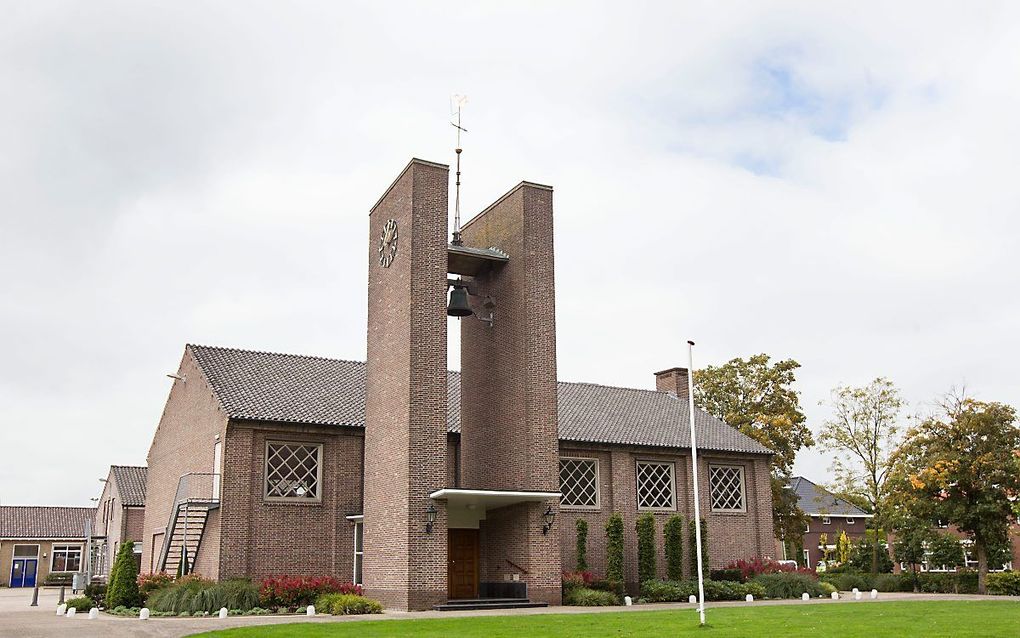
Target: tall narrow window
(359, 551)
(217, 468)
(579, 483)
(727, 484)
(655, 489)
(293, 471)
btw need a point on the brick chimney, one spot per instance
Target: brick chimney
(673, 381)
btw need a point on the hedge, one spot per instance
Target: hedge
(582, 545)
(673, 531)
(672, 591)
(788, 585)
(646, 547)
(1004, 584)
(346, 605)
(614, 547)
(694, 546)
(584, 597)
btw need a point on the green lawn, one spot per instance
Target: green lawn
(863, 619)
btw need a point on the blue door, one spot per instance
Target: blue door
(23, 572)
(31, 566)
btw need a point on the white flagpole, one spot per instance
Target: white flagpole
(694, 473)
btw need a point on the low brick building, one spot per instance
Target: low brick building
(39, 544)
(829, 516)
(428, 485)
(120, 517)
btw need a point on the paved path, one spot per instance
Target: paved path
(17, 618)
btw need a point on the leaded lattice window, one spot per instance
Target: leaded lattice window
(579, 483)
(727, 483)
(293, 471)
(655, 486)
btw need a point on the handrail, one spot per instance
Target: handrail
(516, 566)
(182, 497)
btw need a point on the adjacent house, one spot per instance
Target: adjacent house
(432, 487)
(42, 544)
(120, 517)
(829, 516)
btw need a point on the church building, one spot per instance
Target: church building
(428, 486)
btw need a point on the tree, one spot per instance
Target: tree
(863, 432)
(582, 545)
(123, 588)
(959, 466)
(646, 547)
(843, 547)
(693, 538)
(823, 545)
(674, 533)
(757, 398)
(614, 548)
(912, 536)
(945, 550)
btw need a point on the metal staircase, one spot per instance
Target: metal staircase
(197, 494)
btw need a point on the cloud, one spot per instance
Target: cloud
(834, 183)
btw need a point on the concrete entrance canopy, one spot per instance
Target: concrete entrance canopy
(489, 499)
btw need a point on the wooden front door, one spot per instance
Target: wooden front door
(462, 557)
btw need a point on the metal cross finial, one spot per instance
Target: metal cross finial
(458, 102)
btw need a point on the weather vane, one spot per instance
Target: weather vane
(457, 102)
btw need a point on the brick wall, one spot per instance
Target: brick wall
(183, 442)
(731, 535)
(837, 524)
(262, 538)
(406, 400)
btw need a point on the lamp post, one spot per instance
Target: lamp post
(694, 473)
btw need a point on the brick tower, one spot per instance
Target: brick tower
(406, 402)
(491, 537)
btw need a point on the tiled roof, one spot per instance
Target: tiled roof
(29, 521)
(281, 387)
(815, 499)
(130, 481)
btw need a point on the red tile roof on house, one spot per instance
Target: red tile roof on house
(30, 521)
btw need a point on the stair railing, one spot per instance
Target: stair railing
(192, 487)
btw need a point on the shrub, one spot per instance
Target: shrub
(694, 547)
(296, 591)
(576, 580)
(671, 591)
(123, 589)
(668, 591)
(232, 594)
(614, 547)
(673, 531)
(948, 583)
(757, 566)
(646, 547)
(1004, 584)
(893, 582)
(827, 588)
(346, 605)
(582, 544)
(614, 586)
(788, 585)
(96, 591)
(846, 581)
(584, 597)
(180, 596)
(726, 574)
(80, 603)
(149, 583)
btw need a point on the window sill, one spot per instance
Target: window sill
(294, 503)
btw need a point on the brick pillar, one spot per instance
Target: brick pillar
(405, 402)
(509, 438)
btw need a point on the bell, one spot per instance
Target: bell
(459, 306)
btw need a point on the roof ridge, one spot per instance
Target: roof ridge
(133, 467)
(277, 354)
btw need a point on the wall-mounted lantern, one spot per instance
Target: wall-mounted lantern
(549, 517)
(430, 517)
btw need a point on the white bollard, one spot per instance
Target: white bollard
(874, 594)
(143, 614)
(857, 595)
(310, 611)
(855, 590)
(61, 609)
(835, 595)
(628, 601)
(223, 613)
(749, 598)
(692, 599)
(94, 613)
(805, 596)
(70, 612)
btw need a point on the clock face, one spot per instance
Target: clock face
(388, 244)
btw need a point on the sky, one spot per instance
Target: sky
(835, 183)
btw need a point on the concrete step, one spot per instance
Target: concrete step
(488, 603)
